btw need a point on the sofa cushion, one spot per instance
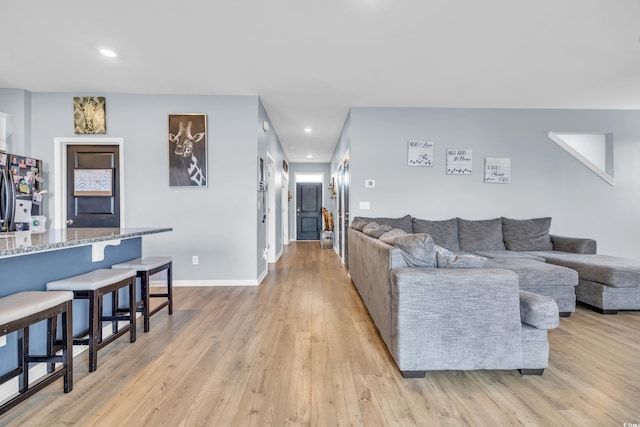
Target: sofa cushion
(418, 250)
(358, 224)
(444, 233)
(374, 230)
(447, 259)
(527, 234)
(606, 269)
(538, 310)
(533, 274)
(391, 234)
(480, 235)
(509, 255)
(403, 223)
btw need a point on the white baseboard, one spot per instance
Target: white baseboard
(183, 283)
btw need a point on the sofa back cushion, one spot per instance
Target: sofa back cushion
(358, 224)
(418, 250)
(447, 259)
(444, 233)
(527, 234)
(375, 230)
(386, 237)
(480, 235)
(403, 223)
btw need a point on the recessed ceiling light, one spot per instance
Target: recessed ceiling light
(108, 53)
(308, 130)
(309, 156)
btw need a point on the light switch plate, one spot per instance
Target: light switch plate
(365, 205)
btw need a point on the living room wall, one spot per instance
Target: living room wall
(216, 223)
(545, 179)
(17, 102)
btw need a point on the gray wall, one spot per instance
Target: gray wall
(217, 223)
(316, 168)
(17, 103)
(546, 180)
(268, 143)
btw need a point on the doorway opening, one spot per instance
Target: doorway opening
(285, 208)
(271, 210)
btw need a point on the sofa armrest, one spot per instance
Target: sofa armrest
(576, 245)
(455, 318)
(538, 311)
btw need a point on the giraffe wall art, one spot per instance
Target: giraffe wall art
(188, 150)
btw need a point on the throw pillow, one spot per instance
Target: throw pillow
(447, 259)
(480, 235)
(403, 223)
(386, 237)
(417, 250)
(374, 230)
(444, 233)
(527, 234)
(358, 224)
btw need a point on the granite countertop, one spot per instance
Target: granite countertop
(25, 242)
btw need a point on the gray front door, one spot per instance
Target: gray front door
(89, 203)
(309, 210)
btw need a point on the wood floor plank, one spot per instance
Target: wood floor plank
(301, 350)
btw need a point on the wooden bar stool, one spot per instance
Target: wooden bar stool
(93, 286)
(145, 268)
(17, 313)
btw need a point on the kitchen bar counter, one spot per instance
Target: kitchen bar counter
(24, 242)
(28, 261)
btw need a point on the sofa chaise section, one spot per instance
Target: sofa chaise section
(607, 283)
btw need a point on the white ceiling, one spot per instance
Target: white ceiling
(309, 61)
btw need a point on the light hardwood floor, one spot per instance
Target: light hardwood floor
(301, 350)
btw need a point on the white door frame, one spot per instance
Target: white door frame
(285, 208)
(271, 209)
(60, 177)
(345, 226)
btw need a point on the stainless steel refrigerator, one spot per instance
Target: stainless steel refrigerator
(20, 186)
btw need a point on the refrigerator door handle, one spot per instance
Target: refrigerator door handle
(12, 201)
(8, 202)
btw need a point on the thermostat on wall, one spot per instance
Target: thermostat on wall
(369, 183)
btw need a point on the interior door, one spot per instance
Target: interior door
(309, 210)
(93, 194)
(345, 205)
(340, 224)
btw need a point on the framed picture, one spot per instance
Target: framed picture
(420, 153)
(497, 170)
(89, 115)
(188, 150)
(93, 182)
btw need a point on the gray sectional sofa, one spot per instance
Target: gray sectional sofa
(449, 318)
(504, 285)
